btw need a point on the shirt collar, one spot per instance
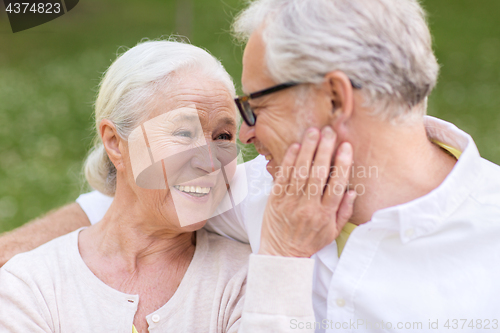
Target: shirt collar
(422, 215)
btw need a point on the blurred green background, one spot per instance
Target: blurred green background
(49, 75)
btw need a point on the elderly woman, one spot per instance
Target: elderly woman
(165, 150)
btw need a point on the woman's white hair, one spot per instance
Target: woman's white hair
(130, 84)
(383, 45)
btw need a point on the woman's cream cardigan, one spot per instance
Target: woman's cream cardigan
(51, 289)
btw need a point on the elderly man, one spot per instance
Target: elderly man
(421, 247)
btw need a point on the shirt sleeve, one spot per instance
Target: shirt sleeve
(277, 297)
(20, 309)
(95, 205)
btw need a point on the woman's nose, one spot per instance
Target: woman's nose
(247, 133)
(206, 158)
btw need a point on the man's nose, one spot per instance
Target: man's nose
(247, 133)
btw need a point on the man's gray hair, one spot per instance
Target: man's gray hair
(383, 45)
(128, 90)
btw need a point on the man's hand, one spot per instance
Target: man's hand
(304, 213)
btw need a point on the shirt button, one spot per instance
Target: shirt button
(155, 318)
(340, 302)
(409, 232)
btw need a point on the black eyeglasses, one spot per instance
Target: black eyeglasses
(246, 110)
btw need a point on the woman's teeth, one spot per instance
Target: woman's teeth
(196, 191)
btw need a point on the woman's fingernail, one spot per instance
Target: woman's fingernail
(312, 134)
(346, 149)
(327, 132)
(352, 197)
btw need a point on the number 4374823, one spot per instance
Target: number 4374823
(474, 324)
(35, 8)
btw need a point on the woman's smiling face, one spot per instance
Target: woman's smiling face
(178, 156)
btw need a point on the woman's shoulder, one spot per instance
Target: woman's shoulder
(225, 244)
(224, 250)
(45, 260)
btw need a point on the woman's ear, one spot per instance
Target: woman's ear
(112, 143)
(340, 91)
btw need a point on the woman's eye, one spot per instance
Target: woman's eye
(225, 136)
(186, 134)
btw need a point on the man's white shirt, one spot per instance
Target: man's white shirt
(430, 263)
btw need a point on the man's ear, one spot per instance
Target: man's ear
(112, 143)
(339, 89)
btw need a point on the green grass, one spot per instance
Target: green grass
(467, 44)
(49, 74)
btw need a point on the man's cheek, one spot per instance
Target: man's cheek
(272, 171)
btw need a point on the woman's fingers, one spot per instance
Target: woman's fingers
(287, 165)
(300, 174)
(345, 210)
(337, 184)
(322, 163)
(295, 226)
